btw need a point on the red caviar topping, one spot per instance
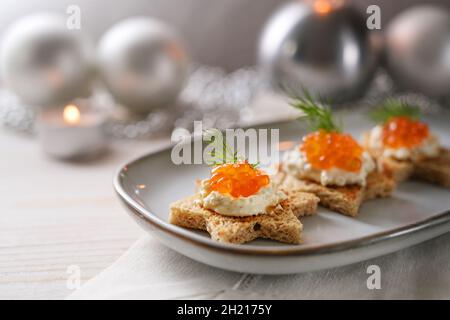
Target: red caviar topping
(326, 150)
(401, 132)
(237, 179)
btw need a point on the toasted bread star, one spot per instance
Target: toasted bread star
(434, 170)
(345, 199)
(402, 128)
(280, 223)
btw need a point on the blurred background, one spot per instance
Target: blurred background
(218, 33)
(200, 60)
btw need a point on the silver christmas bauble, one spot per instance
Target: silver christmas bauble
(328, 53)
(418, 50)
(44, 62)
(143, 64)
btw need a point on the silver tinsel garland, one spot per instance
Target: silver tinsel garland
(211, 95)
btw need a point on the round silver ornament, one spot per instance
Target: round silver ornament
(143, 64)
(44, 62)
(326, 50)
(418, 50)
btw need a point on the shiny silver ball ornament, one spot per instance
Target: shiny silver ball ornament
(44, 62)
(143, 64)
(418, 50)
(324, 49)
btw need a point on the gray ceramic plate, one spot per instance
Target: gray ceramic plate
(415, 213)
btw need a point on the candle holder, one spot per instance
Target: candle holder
(72, 132)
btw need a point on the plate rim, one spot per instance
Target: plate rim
(140, 212)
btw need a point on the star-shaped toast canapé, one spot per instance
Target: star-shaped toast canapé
(331, 164)
(343, 199)
(239, 203)
(404, 147)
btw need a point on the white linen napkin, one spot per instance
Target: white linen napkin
(148, 270)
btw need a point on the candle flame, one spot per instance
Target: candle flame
(71, 114)
(322, 7)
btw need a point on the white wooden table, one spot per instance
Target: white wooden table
(56, 214)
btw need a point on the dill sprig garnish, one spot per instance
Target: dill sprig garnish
(392, 108)
(317, 113)
(224, 153)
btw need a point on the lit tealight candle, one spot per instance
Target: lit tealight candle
(71, 114)
(74, 132)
